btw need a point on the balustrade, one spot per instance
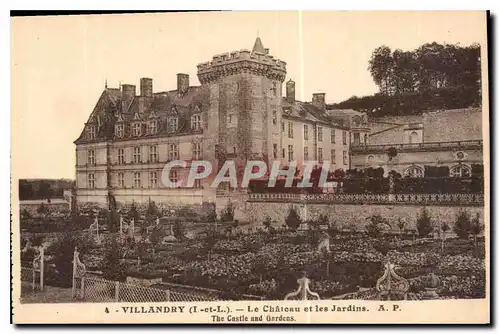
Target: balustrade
(423, 199)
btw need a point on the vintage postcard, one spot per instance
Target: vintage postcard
(251, 167)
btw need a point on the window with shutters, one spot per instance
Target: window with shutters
(197, 150)
(137, 155)
(173, 124)
(121, 180)
(136, 129)
(91, 157)
(320, 133)
(92, 131)
(119, 130)
(121, 156)
(153, 127)
(153, 179)
(196, 122)
(137, 180)
(153, 153)
(173, 152)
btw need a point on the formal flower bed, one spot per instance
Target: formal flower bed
(268, 264)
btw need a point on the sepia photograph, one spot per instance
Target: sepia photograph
(166, 161)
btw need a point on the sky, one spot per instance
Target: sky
(59, 65)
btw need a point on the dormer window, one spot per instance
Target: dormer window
(119, 130)
(196, 122)
(173, 124)
(153, 127)
(92, 131)
(136, 129)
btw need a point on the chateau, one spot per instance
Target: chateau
(239, 112)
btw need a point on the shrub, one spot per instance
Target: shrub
(293, 220)
(227, 213)
(178, 230)
(424, 223)
(462, 225)
(111, 265)
(267, 223)
(42, 209)
(374, 228)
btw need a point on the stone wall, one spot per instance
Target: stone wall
(257, 211)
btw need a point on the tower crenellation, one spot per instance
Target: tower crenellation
(245, 91)
(242, 60)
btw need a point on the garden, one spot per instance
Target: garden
(267, 262)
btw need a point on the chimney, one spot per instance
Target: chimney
(267, 51)
(182, 83)
(146, 87)
(290, 91)
(318, 100)
(128, 94)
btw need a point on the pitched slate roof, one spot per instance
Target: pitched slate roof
(307, 111)
(108, 111)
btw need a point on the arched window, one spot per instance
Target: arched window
(413, 137)
(414, 171)
(460, 171)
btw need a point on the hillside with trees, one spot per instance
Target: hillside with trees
(43, 188)
(434, 76)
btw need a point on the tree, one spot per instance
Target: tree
(462, 225)
(25, 214)
(445, 228)
(63, 250)
(112, 267)
(42, 209)
(476, 228)
(156, 237)
(210, 241)
(401, 225)
(267, 223)
(227, 213)
(424, 224)
(151, 213)
(262, 263)
(293, 220)
(133, 213)
(113, 222)
(374, 228)
(381, 67)
(178, 230)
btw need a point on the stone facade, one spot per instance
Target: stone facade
(451, 138)
(237, 113)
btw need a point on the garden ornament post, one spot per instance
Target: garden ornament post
(391, 284)
(432, 284)
(303, 290)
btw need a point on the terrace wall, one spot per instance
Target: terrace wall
(353, 208)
